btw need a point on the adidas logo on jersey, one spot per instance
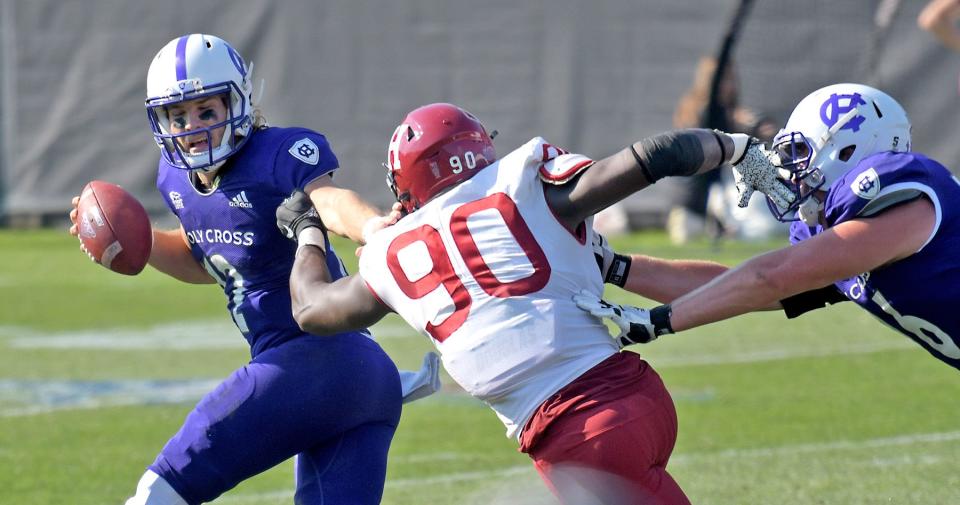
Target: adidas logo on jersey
(240, 200)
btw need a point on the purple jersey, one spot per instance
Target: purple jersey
(919, 294)
(232, 228)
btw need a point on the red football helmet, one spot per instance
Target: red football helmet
(435, 147)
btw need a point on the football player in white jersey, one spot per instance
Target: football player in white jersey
(485, 264)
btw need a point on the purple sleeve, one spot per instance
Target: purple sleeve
(303, 156)
(878, 182)
(167, 186)
(799, 232)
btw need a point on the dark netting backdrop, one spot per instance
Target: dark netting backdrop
(589, 76)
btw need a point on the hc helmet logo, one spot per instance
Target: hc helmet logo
(832, 110)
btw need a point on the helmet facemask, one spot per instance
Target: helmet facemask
(404, 198)
(171, 147)
(804, 179)
(195, 67)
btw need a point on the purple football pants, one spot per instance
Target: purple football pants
(334, 401)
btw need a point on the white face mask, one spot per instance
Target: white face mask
(809, 211)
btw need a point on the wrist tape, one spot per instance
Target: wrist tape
(660, 318)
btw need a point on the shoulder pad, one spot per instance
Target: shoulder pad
(564, 167)
(877, 183)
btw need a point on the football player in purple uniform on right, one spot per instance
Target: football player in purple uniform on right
(874, 223)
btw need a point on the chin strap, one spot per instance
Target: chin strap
(809, 211)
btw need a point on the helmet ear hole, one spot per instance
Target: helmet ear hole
(846, 153)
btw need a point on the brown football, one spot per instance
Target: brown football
(114, 227)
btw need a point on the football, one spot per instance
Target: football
(114, 228)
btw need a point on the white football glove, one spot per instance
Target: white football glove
(635, 324)
(423, 382)
(756, 169)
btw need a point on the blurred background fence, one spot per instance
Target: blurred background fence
(590, 76)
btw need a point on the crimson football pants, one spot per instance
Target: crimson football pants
(606, 437)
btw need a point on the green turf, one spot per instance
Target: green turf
(830, 408)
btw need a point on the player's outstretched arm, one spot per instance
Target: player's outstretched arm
(684, 152)
(611, 179)
(659, 279)
(323, 307)
(665, 280)
(845, 250)
(793, 277)
(343, 211)
(320, 305)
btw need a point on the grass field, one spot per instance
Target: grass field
(97, 370)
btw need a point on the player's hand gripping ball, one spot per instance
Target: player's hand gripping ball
(113, 228)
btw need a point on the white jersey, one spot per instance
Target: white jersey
(488, 273)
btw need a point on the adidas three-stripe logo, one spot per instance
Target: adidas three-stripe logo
(240, 200)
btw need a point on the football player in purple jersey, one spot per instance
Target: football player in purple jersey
(331, 401)
(874, 223)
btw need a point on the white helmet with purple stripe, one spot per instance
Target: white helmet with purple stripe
(830, 131)
(196, 66)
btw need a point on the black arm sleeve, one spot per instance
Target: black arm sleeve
(811, 300)
(677, 152)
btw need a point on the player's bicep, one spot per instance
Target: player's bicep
(602, 184)
(861, 245)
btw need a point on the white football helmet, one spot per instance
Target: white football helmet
(195, 66)
(829, 132)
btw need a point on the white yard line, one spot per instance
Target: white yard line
(817, 447)
(222, 335)
(39, 397)
(882, 345)
(31, 397)
(180, 336)
(177, 336)
(677, 459)
(449, 478)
